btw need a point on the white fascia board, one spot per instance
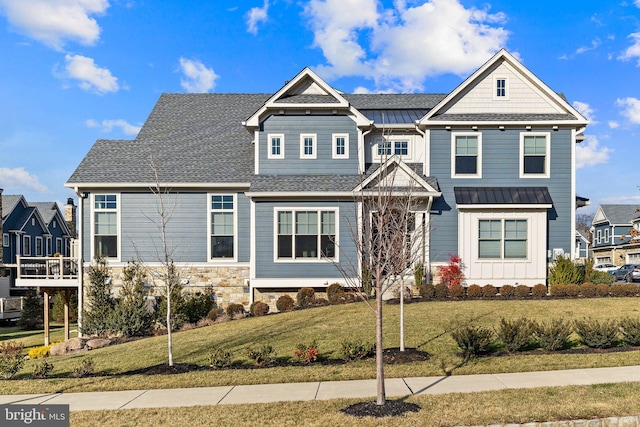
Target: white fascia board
(519, 123)
(100, 185)
(505, 206)
(417, 194)
(280, 194)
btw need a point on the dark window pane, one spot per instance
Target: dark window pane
(534, 164)
(222, 246)
(328, 246)
(106, 246)
(466, 165)
(306, 246)
(285, 248)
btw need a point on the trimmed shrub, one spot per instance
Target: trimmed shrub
(507, 291)
(197, 306)
(558, 290)
(516, 335)
(630, 329)
(539, 290)
(588, 290)
(261, 354)
(285, 303)
(489, 291)
(603, 290)
(11, 359)
(522, 291)
(473, 340)
(572, 290)
(335, 293)
(259, 308)
(442, 290)
(617, 291)
(553, 335)
(356, 350)
(596, 334)
(84, 368)
(219, 358)
(213, 313)
(306, 298)
(42, 369)
(456, 291)
(320, 302)
(630, 290)
(235, 311)
(308, 352)
(474, 291)
(427, 291)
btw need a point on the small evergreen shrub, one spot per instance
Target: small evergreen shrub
(588, 290)
(539, 290)
(261, 354)
(197, 306)
(572, 290)
(42, 369)
(441, 290)
(522, 291)
(630, 329)
(565, 270)
(84, 368)
(306, 298)
(474, 291)
(489, 291)
(507, 291)
(259, 308)
(603, 277)
(558, 290)
(596, 334)
(427, 290)
(457, 291)
(235, 311)
(553, 335)
(473, 340)
(617, 290)
(11, 359)
(603, 290)
(219, 358)
(32, 313)
(307, 352)
(356, 350)
(516, 335)
(285, 303)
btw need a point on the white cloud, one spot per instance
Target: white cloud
(398, 48)
(594, 44)
(586, 110)
(632, 51)
(18, 179)
(197, 77)
(257, 15)
(631, 109)
(613, 124)
(89, 76)
(108, 125)
(52, 22)
(589, 153)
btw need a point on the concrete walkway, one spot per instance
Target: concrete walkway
(395, 387)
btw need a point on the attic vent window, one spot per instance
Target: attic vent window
(501, 88)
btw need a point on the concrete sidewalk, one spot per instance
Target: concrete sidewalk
(395, 387)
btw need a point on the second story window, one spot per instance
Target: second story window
(5, 240)
(340, 146)
(534, 155)
(467, 154)
(308, 146)
(276, 146)
(384, 148)
(222, 226)
(501, 88)
(105, 226)
(26, 245)
(49, 246)
(38, 246)
(401, 148)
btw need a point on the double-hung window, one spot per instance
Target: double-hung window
(26, 245)
(534, 155)
(502, 238)
(275, 146)
(59, 245)
(305, 234)
(340, 146)
(49, 246)
(501, 88)
(38, 246)
(105, 231)
(466, 161)
(222, 226)
(308, 146)
(5, 240)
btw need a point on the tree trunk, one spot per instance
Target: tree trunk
(381, 395)
(169, 337)
(401, 316)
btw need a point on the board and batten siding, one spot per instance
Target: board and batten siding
(292, 127)
(267, 268)
(500, 168)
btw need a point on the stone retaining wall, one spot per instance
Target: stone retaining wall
(630, 421)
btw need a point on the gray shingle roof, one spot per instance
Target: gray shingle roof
(9, 201)
(502, 117)
(502, 195)
(620, 214)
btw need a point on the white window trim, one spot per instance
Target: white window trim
(393, 139)
(39, 240)
(210, 259)
(495, 87)
(547, 160)
(478, 173)
(26, 238)
(319, 259)
(314, 147)
(503, 239)
(59, 244)
(5, 240)
(598, 236)
(93, 224)
(49, 244)
(334, 146)
(606, 235)
(270, 155)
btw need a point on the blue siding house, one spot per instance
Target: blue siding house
(611, 231)
(261, 186)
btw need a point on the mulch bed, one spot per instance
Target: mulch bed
(391, 408)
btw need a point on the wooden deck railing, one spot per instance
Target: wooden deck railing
(39, 268)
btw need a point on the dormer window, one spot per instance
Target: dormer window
(275, 146)
(501, 88)
(308, 146)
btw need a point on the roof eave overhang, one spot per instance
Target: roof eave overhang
(467, 123)
(115, 185)
(288, 194)
(485, 206)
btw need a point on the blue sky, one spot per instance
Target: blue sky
(73, 71)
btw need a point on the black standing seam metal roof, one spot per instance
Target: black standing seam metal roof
(502, 196)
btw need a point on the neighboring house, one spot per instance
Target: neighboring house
(261, 187)
(582, 247)
(611, 231)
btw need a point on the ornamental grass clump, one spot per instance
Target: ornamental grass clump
(306, 298)
(630, 329)
(473, 340)
(516, 335)
(597, 334)
(553, 335)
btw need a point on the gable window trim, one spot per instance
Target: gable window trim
(308, 146)
(106, 205)
(275, 146)
(501, 88)
(293, 227)
(393, 145)
(222, 205)
(524, 156)
(465, 153)
(340, 146)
